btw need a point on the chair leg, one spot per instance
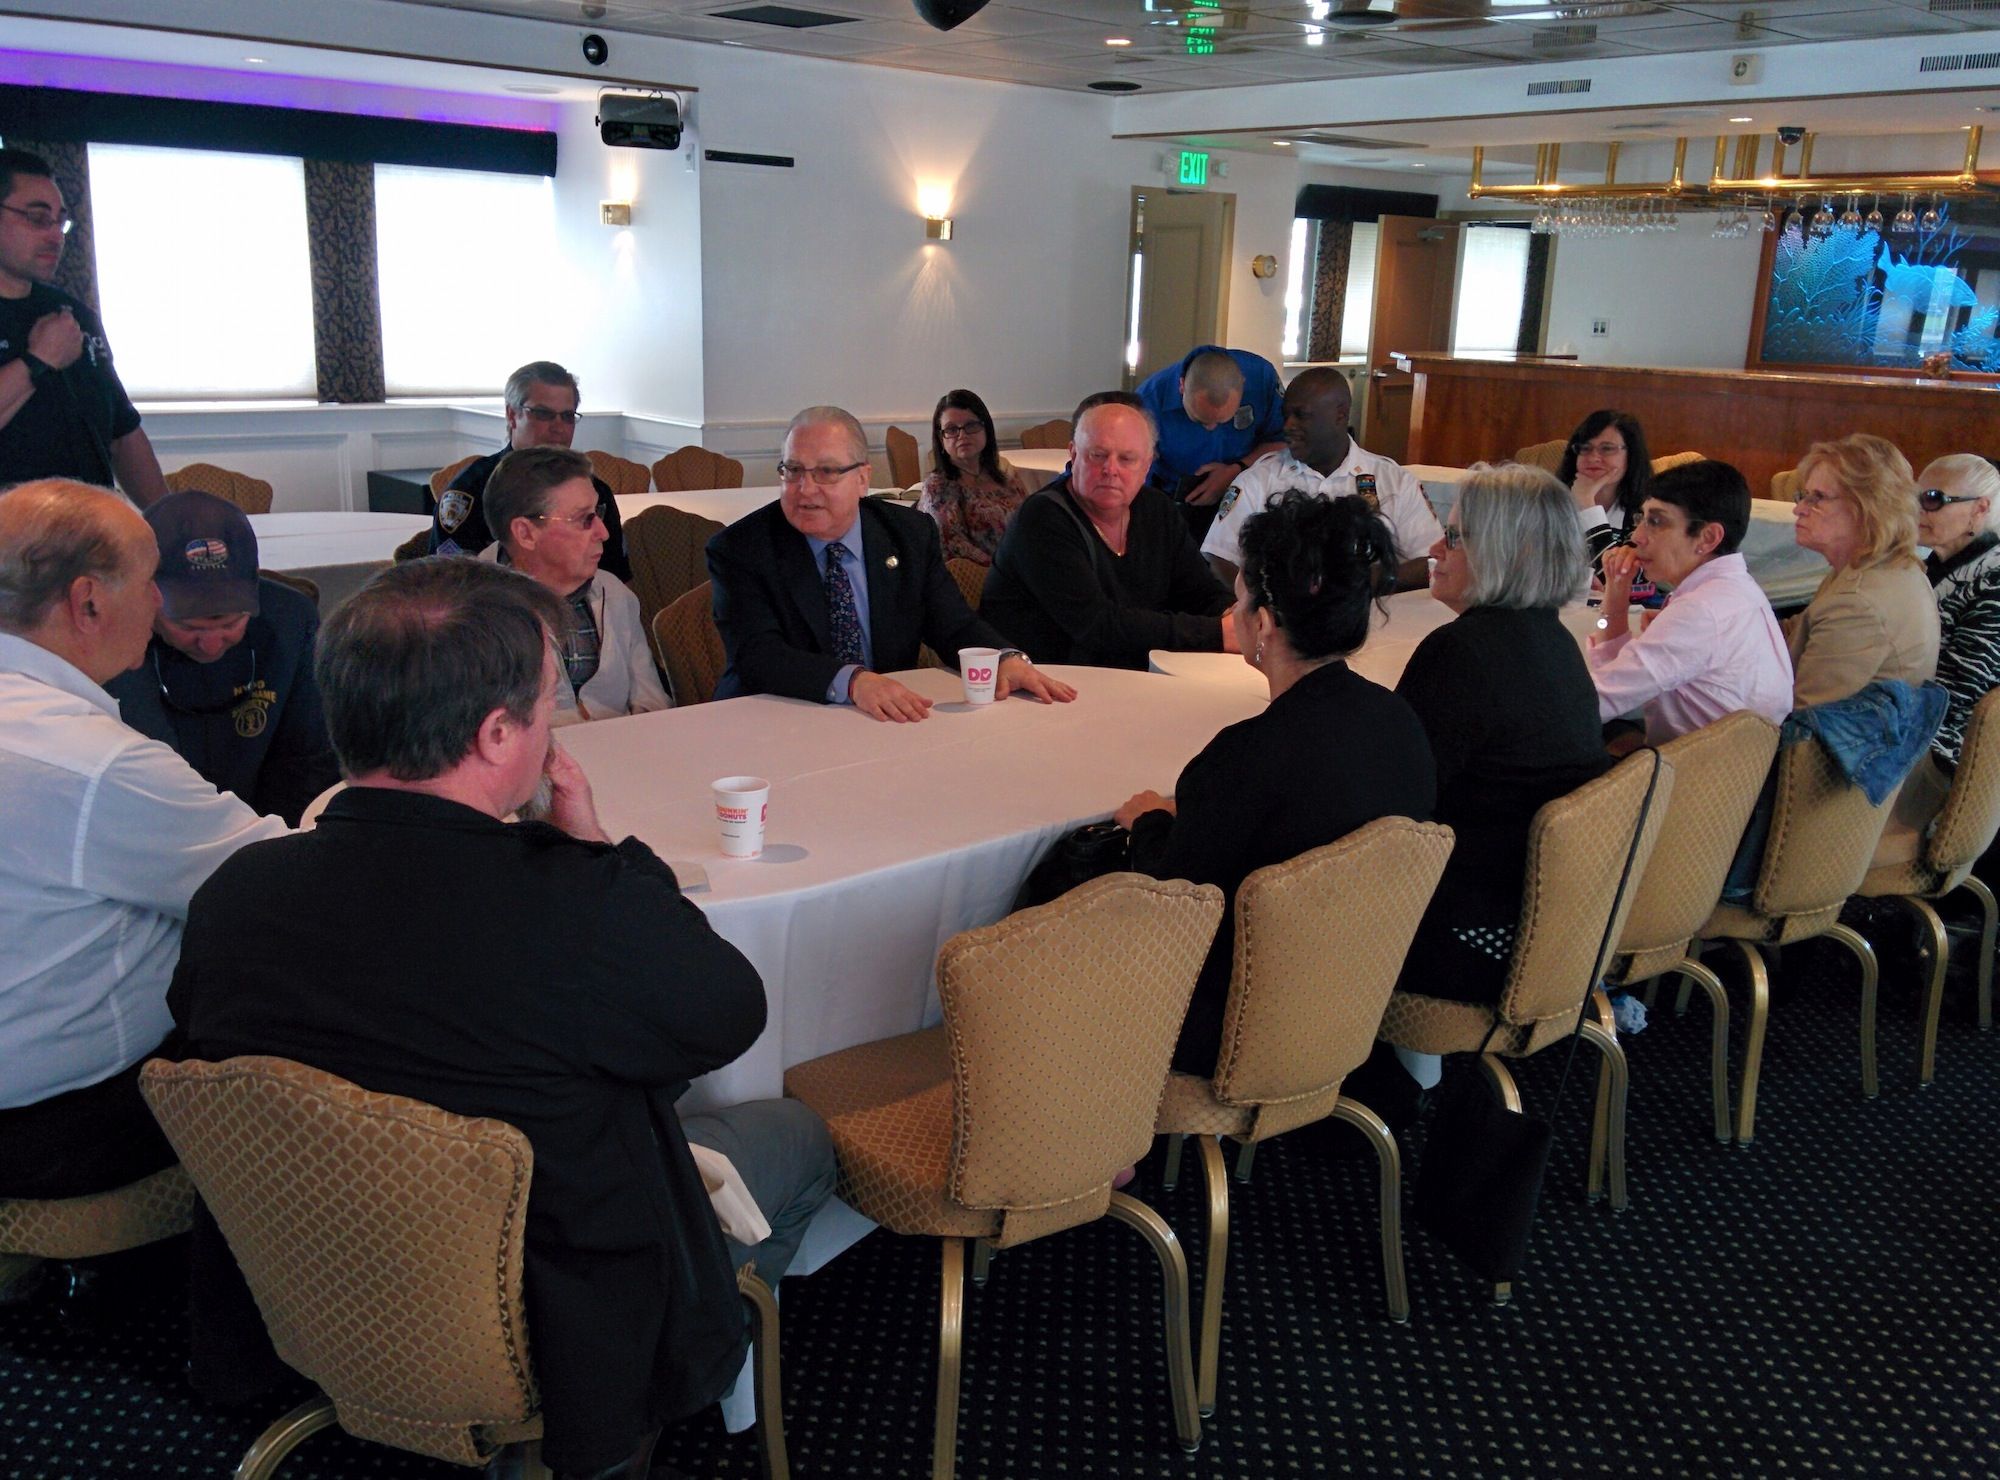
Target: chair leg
(16, 1269)
(1939, 946)
(1509, 1094)
(1613, 1080)
(951, 1341)
(1215, 1263)
(1390, 1161)
(982, 1262)
(770, 1387)
(1865, 954)
(1989, 919)
(1170, 1174)
(1173, 1277)
(1692, 971)
(1753, 1040)
(262, 1459)
(1244, 1156)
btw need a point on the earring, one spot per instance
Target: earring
(1258, 656)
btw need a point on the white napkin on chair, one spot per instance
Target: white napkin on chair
(735, 1209)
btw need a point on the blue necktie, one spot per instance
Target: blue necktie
(842, 617)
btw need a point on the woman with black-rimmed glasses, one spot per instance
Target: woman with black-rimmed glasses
(1605, 467)
(971, 491)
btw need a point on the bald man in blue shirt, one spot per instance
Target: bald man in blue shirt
(1218, 411)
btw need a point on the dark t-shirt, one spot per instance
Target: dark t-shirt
(66, 428)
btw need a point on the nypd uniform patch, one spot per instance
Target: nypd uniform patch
(1246, 418)
(453, 508)
(1228, 502)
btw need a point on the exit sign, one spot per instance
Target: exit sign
(1194, 167)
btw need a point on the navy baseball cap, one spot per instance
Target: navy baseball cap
(208, 557)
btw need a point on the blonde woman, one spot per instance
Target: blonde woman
(1874, 615)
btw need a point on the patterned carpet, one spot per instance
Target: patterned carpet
(1819, 1304)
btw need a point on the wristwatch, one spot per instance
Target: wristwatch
(1006, 653)
(38, 368)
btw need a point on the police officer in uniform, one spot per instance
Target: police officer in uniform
(63, 413)
(1217, 411)
(227, 680)
(541, 400)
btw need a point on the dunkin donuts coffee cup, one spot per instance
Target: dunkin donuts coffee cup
(741, 805)
(980, 669)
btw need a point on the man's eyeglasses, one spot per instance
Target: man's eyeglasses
(582, 521)
(1930, 500)
(962, 429)
(791, 472)
(1454, 537)
(547, 414)
(1602, 449)
(44, 220)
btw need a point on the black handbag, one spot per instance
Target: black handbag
(1091, 851)
(1481, 1177)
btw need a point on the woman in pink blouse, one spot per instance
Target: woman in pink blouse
(971, 492)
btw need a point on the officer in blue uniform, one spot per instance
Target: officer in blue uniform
(1218, 411)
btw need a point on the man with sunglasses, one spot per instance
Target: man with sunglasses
(63, 413)
(542, 400)
(227, 680)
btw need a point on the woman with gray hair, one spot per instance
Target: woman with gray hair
(1506, 698)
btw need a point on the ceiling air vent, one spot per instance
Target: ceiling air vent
(1352, 141)
(1962, 7)
(790, 17)
(1551, 89)
(1564, 38)
(1968, 61)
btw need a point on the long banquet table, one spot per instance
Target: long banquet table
(337, 550)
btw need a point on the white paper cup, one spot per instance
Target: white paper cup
(741, 805)
(979, 668)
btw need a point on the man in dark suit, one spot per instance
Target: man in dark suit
(822, 594)
(574, 996)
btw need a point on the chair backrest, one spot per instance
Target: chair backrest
(251, 495)
(416, 547)
(688, 469)
(1547, 456)
(1062, 1020)
(971, 578)
(1785, 485)
(1718, 772)
(665, 547)
(302, 584)
(1319, 943)
(1823, 836)
(1970, 817)
(441, 479)
(904, 466)
(1052, 433)
(620, 474)
(1676, 460)
(689, 646)
(1576, 856)
(382, 1238)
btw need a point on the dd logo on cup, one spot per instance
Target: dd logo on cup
(980, 675)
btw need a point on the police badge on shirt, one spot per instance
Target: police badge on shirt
(1364, 489)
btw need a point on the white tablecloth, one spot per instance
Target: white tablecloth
(1045, 463)
(885, 840)
(339, 552)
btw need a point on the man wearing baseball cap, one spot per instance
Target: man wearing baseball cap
(227, 680)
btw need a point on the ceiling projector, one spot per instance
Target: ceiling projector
(639, 120)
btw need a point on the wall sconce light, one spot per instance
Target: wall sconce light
(937, 228)
(1265, 266)
(615, 212)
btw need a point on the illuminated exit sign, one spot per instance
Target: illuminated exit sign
(1194, 167)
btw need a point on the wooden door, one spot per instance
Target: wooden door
(1416, 275)
(1177, 292)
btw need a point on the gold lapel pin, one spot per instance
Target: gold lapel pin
(890, 562)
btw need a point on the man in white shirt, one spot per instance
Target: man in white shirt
(543, 509)
(1322, 458)
(1715, 647)
(107, 836)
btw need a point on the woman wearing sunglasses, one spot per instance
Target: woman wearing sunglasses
(1958, 509)
(1874, 615)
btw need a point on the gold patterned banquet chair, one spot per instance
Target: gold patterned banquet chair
(1785, 485)
(1577, 846)
(1822, 839)
(689, 646)
(251, 495)
(971, 578)
(1942, 862)
(1008, 1122)
(666, 547)
(905, 468)
(383, 1240)
(1676, 460)
(1718, 772)
(1047, 434)
(155, 1207)
(620, 474)
(1319, 941)
(689, 469)
(1548, 456)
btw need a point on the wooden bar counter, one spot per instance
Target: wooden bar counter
(1762, 421)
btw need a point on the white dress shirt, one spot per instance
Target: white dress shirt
(1401, 498)
(107, 837)
(1713, 649)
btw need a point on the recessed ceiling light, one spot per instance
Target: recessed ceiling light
(1965, 125)
(1281, 143)
(1112, 87)
(1742, 120)
(255, 61)
(1117, 40)
(1418, 164)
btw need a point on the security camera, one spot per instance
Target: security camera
(1791, 133)
(596, 50)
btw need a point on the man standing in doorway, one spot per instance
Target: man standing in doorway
(63, 413)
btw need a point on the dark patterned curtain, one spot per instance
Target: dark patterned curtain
(347, 310)
(1534, 293)
(77, 276)
(1329, 291)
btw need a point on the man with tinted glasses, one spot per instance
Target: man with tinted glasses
(825, 593)
(227, 680)
(542, 401)
(63, 413)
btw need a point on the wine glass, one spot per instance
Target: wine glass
(1906, 219)
(1773, 217)
(1822, 221)
(1874, 217)
(1850, 219)
(1933, 216)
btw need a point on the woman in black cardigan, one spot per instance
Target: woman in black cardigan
(1332, 753)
